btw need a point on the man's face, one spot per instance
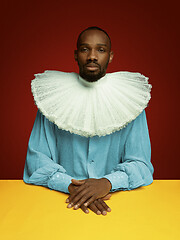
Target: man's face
(93, 55)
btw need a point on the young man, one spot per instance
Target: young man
(90, 136)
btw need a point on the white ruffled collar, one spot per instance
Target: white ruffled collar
(91, 108)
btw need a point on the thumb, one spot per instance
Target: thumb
(77, 182)
(107, 197)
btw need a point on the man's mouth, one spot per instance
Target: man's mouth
(92, 67)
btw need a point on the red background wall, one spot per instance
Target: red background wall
(41, 35)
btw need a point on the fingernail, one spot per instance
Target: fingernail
(104, 213)
(76, 207)
(67, 200)
(98, 212)
(85, 204)
(69, 205)
(108, 209)
(87, 211)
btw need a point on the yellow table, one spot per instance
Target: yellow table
(32, 212)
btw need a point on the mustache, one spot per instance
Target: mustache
(92, 63)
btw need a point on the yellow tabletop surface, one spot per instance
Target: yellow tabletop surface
(32, 212)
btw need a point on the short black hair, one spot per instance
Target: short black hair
(93, 28)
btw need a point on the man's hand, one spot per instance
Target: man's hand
(98, 206)
(85, 192)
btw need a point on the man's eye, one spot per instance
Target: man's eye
(84, 49)
(101, 50)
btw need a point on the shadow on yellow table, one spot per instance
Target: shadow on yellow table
(32, 212)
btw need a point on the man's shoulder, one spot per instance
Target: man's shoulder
(127, 74)
(55, 73)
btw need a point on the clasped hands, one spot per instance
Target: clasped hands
(89, 193)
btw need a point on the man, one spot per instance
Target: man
(90, 136)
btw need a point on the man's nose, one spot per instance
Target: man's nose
(92, 55)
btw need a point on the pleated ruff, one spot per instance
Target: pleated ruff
(89, 109)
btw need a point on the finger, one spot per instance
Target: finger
(101, 208)
(76, 192)
(85, 209)
(71, 189)
(107, 197)
(82, 198)
(79, 199)
(94, 209)
(106, 207)
(77, 182)
(90, 200)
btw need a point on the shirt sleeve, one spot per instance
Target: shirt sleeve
(41, 166)
(136, 169)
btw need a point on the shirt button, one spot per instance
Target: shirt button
(92, 161)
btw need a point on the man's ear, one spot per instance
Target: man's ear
(111, 56)
(75, 55)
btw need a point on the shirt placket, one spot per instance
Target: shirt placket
(91, 158)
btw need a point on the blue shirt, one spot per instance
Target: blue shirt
(55, 156)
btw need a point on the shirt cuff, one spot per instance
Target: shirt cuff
(60, 182)
(118, 180)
